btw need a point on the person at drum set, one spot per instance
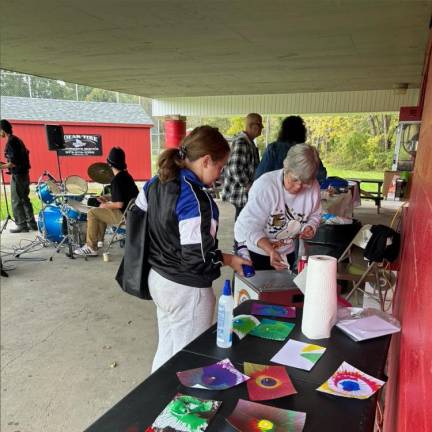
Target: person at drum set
(18, 165)
(111, 208)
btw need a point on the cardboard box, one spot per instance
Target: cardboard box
(388, 178)
(269, 285)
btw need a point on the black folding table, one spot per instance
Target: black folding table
(324, 412)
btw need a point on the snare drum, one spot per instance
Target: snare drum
(47, 191)
(75, 187)
(76, 210)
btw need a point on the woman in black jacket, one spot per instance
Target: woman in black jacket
(183, 248)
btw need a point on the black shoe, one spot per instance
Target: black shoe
(32, 226)
(19, 229)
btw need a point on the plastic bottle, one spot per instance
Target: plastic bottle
(225, 317)
(242, 251)
(302, 262)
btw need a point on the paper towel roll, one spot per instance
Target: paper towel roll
(320, 303)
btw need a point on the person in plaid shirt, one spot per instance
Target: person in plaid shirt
(239, 172)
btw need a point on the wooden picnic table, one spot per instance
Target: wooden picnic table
(374, 195)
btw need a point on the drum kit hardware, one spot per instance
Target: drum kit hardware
(63, 218)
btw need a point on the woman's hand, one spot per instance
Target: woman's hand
(276, 261)
(307, 233)
(236, 262)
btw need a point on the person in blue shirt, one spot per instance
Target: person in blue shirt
(292, 132)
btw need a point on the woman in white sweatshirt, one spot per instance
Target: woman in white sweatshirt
(283, 205)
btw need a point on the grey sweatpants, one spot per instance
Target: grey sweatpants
(183, 313)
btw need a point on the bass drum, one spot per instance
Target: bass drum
(53, 226)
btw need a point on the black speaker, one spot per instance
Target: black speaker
(55, 137)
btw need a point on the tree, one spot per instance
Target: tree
(384, 126)
(100, 95)
(13, 84)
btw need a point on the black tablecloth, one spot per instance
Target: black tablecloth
(323, 412)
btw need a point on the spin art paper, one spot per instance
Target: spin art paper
(251, 416)
(243, 324)
(272, 329)
(185, 414)
(218, 376)
(298, 354)
(350, 382)
(274, 310)
(267, 382)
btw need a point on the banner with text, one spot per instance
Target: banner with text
(82, 145)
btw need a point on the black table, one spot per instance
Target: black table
(323, 412)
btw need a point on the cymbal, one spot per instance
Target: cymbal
(100, 172)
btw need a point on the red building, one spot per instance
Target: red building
(124, 125)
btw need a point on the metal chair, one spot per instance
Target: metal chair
(359, 274)
(120, 228)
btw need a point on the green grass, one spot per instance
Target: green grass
(33, 198)
(330, 171)
(343, 173)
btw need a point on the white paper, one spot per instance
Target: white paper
(351, 382)
(300, 280)
(295, 354)
(367, 328)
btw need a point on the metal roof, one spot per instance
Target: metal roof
(224, 47)
(54, 110)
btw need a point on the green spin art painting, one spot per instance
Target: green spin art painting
(185, 414)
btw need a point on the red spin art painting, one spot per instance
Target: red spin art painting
(267, 382)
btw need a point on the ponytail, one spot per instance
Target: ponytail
(203, 140)
(169, 164)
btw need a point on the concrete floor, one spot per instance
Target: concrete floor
(72, 343)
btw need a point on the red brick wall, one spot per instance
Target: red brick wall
(408, 397)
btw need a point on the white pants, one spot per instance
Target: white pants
(183, 313)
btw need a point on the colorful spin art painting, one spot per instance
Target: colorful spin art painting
(272, 329)
(267, 382)
(243, 324)
(185, 414)
(251, 416)
(218, 376)
(350, 382)
(298, 354)
(274, 310)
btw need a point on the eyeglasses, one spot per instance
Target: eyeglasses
(295, 179)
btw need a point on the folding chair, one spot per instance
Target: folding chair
(120, 228)
(359, 274)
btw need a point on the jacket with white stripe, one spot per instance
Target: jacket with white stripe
(182, 228)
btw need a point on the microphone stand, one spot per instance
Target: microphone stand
(8, 215)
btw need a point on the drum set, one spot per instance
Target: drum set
(63, 218)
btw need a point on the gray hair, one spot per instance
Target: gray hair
(302, 161)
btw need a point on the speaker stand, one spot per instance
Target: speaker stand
(58, 166)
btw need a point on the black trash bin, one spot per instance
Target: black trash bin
(332, 239)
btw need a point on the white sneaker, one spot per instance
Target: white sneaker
(100, 244)
(85, 251)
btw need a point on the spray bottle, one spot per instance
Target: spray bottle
(242, 251)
